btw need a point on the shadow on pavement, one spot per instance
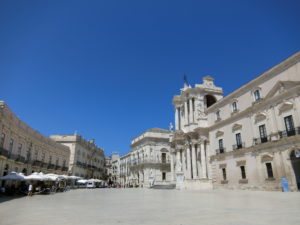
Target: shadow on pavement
(6, 198)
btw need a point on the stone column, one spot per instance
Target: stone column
(194, 165)
(198, 158)
(182, 119)
(296, 109)
(183, 163)
(203, 160)
(176, 119)
(191, 111)
(186, 114)
(188, 156)
(177, 157)
(172, 166)
(273, 124)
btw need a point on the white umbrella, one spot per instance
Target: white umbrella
(36, 176)
(13, 176)
(51, 177)
(82, 181)
(74, 177)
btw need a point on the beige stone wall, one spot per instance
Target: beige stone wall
(26, 150)
(87, 159)
(279, 89)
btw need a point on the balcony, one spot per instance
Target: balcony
(37, 163)
(4, 152)
(17, 158)
(238, 146)
(57, 167)
(220, 151)
(44, 165)
(50, 166)
(150, 161)
(261, 140)
(288, 133)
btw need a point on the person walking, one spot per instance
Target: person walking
(30, 190)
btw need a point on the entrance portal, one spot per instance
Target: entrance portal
(295, 160)
(163, 157)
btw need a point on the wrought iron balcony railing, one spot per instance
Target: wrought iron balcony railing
(238, 146)
(288, 133)
(220, 150)
(261, 140)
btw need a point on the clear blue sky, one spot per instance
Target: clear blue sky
(109, 69)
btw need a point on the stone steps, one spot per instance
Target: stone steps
(164, 186)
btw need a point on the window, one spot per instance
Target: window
(2, 139)
(29, 151)
(20, 148)
(289, 125)
(256, 95)
(221, 147)
(269, 170)
(263, 133)
(238, 140)
(243, 172)
(11, 145)
(218, 115)
(36, 155)
(224, 173)
(234, 107)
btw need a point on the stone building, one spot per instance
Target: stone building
(124, 177)
(254, 132)
(87, 159)
(23, 149)
(190, 141)
(248, 139)
(150, 158)
(115, 168)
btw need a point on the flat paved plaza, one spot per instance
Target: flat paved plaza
(144, 206)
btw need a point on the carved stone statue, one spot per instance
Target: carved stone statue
(171, 127)
(178, 166)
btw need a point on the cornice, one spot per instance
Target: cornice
(284, 65)
(265, 103)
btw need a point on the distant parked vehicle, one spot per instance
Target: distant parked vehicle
(91, 184)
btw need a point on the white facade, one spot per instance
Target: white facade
(248, 139)
(148, 162)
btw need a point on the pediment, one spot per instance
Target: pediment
(219, 133)
(260, 117)
(266, 158)
(281, 86)
(236, 127)
(285, 106)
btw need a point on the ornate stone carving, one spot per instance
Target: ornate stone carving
(241, 163)
(266, 158)
(287, 105)
(260, 117)
(236, 127)
(219, 133)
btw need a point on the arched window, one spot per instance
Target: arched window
(210, 100)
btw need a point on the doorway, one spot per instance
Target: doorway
(295, 160)
(163, 157)
(164, 176)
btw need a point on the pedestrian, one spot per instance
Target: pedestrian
(30, 189)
